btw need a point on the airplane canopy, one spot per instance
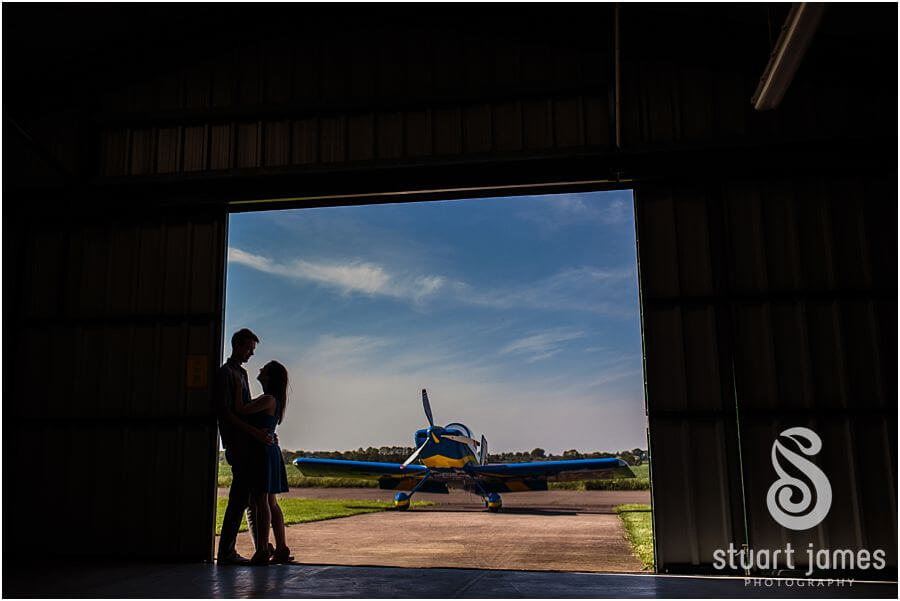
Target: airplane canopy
(461, 428)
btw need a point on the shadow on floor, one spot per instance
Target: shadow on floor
(70, 580)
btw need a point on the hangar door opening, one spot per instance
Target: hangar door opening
(519, 316)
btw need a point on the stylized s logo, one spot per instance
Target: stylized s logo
(798, 515)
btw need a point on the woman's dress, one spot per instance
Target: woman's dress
(272, 475)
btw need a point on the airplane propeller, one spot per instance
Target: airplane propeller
(415, 454)
(433, 435)
(427, 406)
(462, 439)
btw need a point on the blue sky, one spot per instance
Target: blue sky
(519, 315)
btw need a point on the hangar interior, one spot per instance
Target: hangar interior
(766, 239)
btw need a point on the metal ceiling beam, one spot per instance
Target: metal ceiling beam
(796, 34)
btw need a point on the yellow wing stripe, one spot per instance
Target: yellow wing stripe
(442, 461)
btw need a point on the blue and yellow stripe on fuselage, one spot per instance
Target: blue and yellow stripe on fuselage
(446, 454)
(442, 461)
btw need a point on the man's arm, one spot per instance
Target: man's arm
(260, 435)
(261, 404)
(225, 392)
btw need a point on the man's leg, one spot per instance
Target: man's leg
(251, 479)
(238, 501)
(251, 522)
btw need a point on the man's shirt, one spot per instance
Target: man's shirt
(225, 393)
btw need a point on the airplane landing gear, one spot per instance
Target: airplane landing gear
(491, 500)
(401, 501)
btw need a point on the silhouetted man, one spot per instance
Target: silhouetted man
(231, 386)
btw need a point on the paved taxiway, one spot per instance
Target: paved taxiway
(554, 530)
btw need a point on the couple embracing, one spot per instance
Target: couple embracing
(247, 426)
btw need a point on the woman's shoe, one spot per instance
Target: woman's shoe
(281, 556)
(260, 558)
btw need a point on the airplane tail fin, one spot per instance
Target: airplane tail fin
(483, 454)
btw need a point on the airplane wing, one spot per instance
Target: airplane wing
(390, 476)
(514, 477)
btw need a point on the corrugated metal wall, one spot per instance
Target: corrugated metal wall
(110, 437)
(449, 94)
(688, 373)
(769, 304)
(351, 100)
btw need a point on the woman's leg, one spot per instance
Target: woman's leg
(263, 518)
(277, 523)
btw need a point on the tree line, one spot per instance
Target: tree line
(398, 454)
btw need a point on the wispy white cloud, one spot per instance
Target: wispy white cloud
(572, 289)
(354, 232)
(330, 350)
(543, 345)
(241, 257)
(350, 277)
(579, 209)
(604, 291)
(612, 211)
(542, 356)
(426, 285)
(347, 277)
(613, 373)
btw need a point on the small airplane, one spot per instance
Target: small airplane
(451, 458)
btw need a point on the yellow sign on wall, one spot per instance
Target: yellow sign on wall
(197, 367)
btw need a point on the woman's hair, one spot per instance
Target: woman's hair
(276, 385)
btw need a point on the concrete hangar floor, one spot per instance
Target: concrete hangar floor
(74, 580)
(314, 578)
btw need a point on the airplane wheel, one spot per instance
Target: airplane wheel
(401, 501)
(493, 502)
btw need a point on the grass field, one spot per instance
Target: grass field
(641, 471)
(297, 480)
(639, 530)
(298, 511)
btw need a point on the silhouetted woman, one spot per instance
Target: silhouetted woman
(266, 412)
